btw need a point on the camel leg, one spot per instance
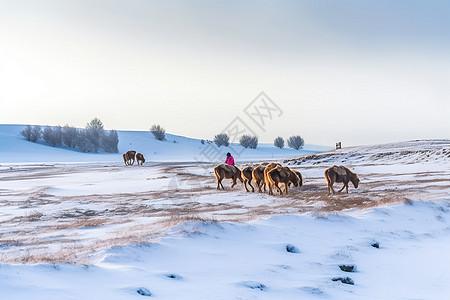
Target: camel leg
(330, 189)
(250, 183)
(278, 188)
(342, 188)
(258, 183)
(269, 187)
(245, 185)
(286, 188)
(219, 184)
(234, 182)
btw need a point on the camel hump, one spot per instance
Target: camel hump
(229, 168)
(340, 170)
(283, 171)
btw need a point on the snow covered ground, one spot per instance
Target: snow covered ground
(76, 225)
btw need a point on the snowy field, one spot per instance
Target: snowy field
(76, 225)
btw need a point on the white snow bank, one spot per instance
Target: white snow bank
(249, 261)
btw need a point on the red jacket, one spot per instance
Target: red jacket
(230, 160)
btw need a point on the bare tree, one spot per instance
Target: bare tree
(84, 142)
(158, 132)
(295, 142)
(69, 136)
(110, 140)
(27, 132)
(222, 139)
(249, 141)
(279, 142)
(36, 133)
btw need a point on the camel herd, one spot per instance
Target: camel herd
(131, 156)
(272, 175)
(267, 176)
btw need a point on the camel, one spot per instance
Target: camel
(282, 175)
(258, 175)
(226, 171)
(299, 176)
(247, 177)
(268, 168)
(340, 174)
(140, 158)
(128, 157)
(125, 159)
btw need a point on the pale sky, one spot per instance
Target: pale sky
(360, 72)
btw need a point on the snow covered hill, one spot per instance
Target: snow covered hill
(14, 148)
(411, 152)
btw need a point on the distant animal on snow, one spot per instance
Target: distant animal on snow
(140, 159)
(268, 168)
(340, 174)
(128, 157)
(258, 175)
(125, 159)
(223, 171)
(282, 175)
(247, 176)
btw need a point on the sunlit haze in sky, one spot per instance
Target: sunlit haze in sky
(360, 72)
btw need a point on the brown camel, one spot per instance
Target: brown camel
(340, 174)
(268, 168)
(140, 159)
(282, 175)
(247, 177)
(125, 159)
(129, 157)
(258, 175)
(299, 176)
(226, 171)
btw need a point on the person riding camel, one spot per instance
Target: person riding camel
(229, 160)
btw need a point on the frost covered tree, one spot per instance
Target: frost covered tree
(27, 132)
(91, 139)
(94, 133)
(47, 135)
(36, 133)
(69, 136)
(52, 135)
(249, 141)
(158, 132)
(84, 143)
(295, 142)
(222, 139)
(57, 133)
(110, 141)
(279, 142)
(32, 133)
